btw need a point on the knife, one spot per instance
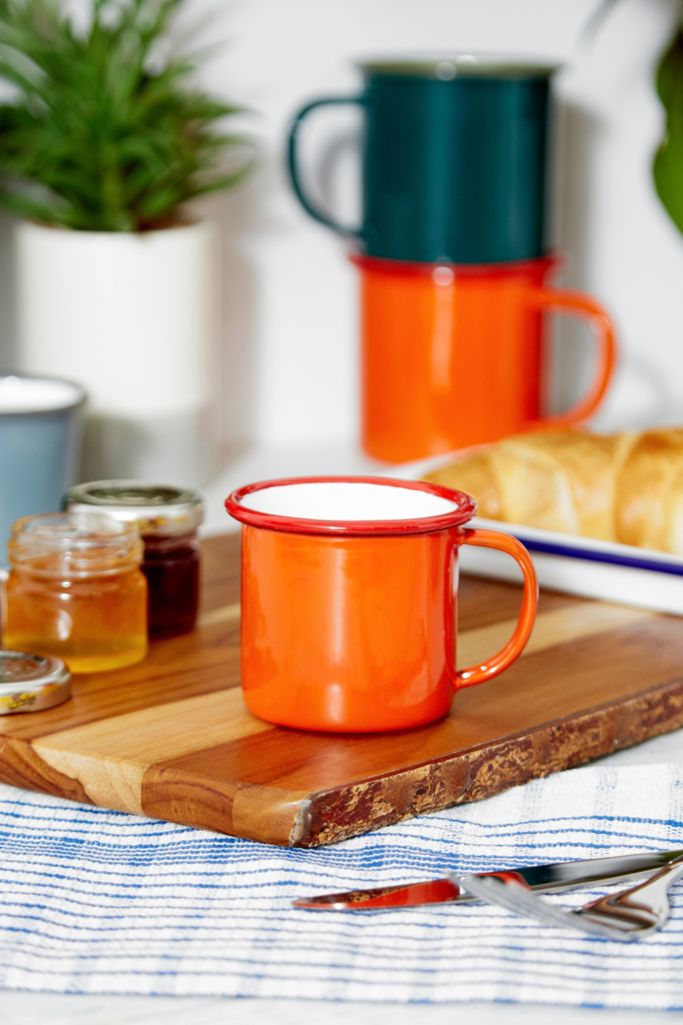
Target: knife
(562, 875)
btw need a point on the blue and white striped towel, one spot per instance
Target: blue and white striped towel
(93, 901)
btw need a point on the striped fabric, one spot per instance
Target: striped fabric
(93, 901)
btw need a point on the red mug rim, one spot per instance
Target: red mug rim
(412, 268)
(465, 509)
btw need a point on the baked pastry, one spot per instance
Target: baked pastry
(625, 487)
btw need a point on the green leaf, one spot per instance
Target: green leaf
(667, 166)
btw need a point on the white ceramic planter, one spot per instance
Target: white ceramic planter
(133, 318)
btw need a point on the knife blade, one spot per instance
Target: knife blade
(556, 876)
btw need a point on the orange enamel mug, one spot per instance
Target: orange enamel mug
(349, 601)
(455, 355)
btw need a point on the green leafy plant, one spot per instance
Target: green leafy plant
(102, 133)
(667, 166)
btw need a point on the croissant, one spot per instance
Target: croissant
(625, 487)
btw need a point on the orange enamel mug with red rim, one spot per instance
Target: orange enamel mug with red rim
(455, 355)
(349, 601)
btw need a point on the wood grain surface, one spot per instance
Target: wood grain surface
(171, 738)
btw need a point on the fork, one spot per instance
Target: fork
(629, 914)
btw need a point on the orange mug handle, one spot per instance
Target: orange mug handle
(582, 306)
(527, 615)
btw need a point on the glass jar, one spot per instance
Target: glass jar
(75, 590)
(167, 518)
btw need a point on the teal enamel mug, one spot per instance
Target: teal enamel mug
(454, 159)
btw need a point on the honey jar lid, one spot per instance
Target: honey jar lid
(153, 508)
(31, 683)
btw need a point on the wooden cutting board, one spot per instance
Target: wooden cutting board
(171, 738)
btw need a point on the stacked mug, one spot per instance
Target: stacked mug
(452, 253)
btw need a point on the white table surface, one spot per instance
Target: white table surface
(19, 1008)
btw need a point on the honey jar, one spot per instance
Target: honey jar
(75, 591)
(167, 518)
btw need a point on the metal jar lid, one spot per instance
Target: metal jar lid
(31, 683)
(160, 509)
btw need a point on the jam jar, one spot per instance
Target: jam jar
(75, 590)
(167, 518)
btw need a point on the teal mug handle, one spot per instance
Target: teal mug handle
(316, 212)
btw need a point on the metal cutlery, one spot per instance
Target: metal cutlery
(455, 888)
(629, 914)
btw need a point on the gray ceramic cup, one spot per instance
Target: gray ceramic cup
(40, 442)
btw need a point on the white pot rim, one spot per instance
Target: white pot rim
(185, 223)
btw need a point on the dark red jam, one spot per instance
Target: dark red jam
(171, 565)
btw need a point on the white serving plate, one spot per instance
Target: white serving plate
(577, 565)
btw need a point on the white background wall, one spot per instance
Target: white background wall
(289, 349)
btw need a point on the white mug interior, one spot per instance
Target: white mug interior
(20, 394)
(348, 501)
